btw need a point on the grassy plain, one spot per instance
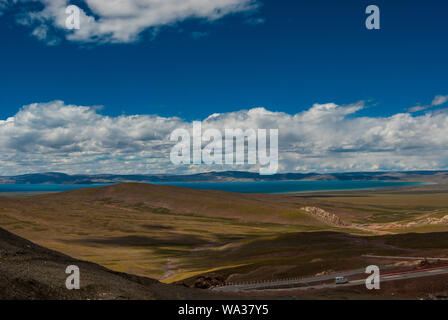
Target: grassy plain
(175, 234)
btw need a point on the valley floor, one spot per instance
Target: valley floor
(202, 238)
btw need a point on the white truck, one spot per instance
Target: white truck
(340, 280)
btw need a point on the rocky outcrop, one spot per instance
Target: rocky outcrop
(208, 281)
(427, 221)
(325, 216)
(431, 221)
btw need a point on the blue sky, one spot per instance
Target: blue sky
(281, 55)
(305, 52)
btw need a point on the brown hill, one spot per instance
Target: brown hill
(29, 271)
(210, 203)
(147, 230)
(173, 234)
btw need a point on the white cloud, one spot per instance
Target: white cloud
(327, 138)
(418, 108)
(437, 101)
(122, 21)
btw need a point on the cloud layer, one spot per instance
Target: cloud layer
(122, 21)
(326, 138)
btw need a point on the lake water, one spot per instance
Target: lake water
(290, 186)
(241, 187)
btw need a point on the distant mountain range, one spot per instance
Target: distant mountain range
(226, 176)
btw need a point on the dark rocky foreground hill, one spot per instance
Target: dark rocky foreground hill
(29, 271)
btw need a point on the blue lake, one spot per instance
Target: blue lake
(290, 186)
(241, 187)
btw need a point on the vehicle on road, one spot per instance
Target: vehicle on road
(341, 280)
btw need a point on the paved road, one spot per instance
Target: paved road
(386, 277)
(394, 277)
(267, 285)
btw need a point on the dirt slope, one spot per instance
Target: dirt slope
(211, 203)
(28, 271)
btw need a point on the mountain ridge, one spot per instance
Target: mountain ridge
(225, 176)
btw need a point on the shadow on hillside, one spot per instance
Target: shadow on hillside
(157, 227)
(135, 241)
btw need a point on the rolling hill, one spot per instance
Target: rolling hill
(29, 271)
(62, 178)
(175, 234)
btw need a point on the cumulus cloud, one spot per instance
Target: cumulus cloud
(56, 136)
(122, 21)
